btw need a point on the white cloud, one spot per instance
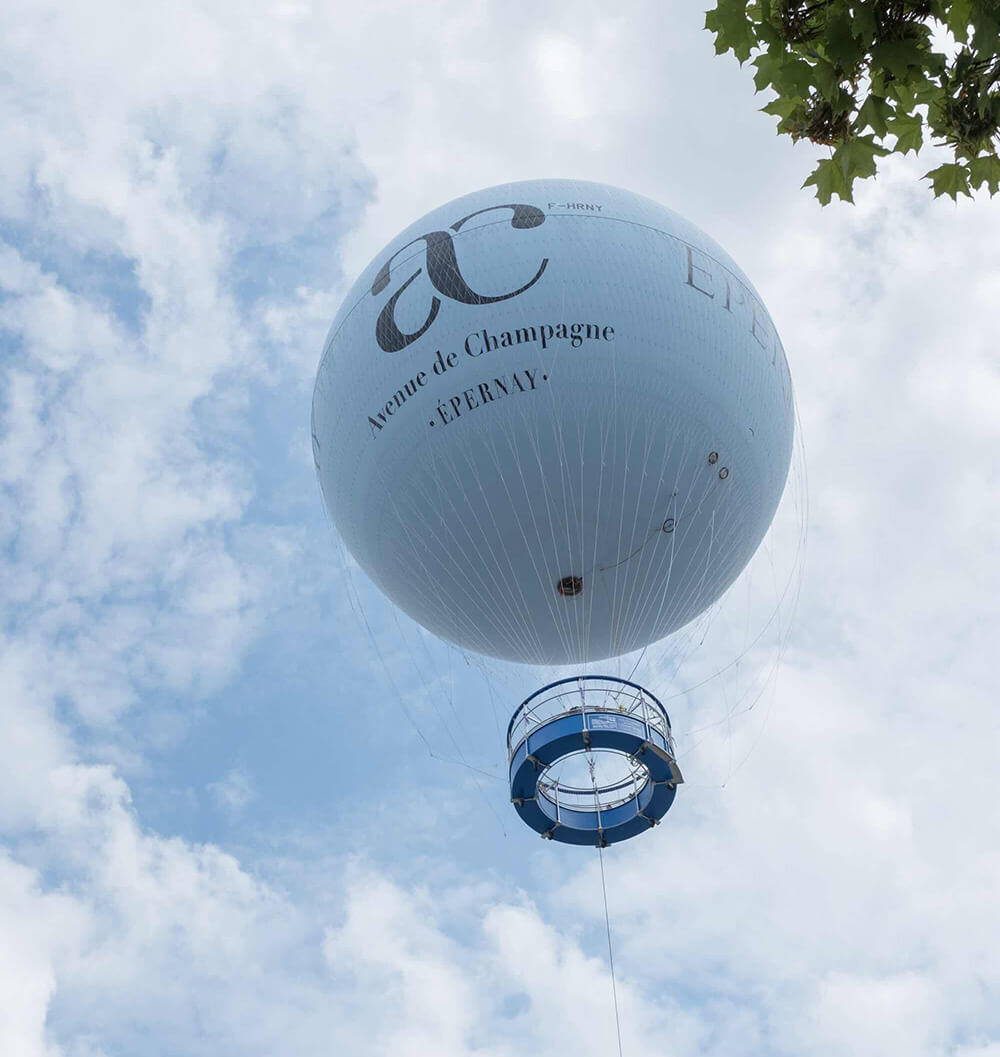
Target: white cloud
(867, 1016)
(37, 930)
(234, 790)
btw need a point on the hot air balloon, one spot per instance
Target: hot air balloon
(552, 422)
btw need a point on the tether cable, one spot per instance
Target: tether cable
(607, 921)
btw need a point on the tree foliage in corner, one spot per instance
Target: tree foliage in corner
(857, 75)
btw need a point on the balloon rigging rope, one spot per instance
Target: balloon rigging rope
(522, 631)
(475, 591)
(800, 500)
(430, 682)
(462, 762)
(488, 603)
(774, 615)
(782, 614)
(614, 988)
(519, 632)
(487, 583)
(483, 584)
(582, 613)
(571, 624)
(490, 583)
(562, 616)
(371, 636)
(607, 915)
(667, 557)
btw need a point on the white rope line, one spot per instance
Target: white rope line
(607, 925)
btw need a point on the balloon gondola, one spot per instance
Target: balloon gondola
(592, 716)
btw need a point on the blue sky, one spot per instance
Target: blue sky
(220, 829)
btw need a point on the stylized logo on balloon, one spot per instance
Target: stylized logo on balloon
(446, 276)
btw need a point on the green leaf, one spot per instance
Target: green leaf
(949, 179)
(926, 91)
(851, 160)
(856, 157)
(917, 87)
(936, 64)
(768, 65)
(828, 180)
(783, 106)
(985, 100)
(768, 35)
(908, 130)
(985, 170)
(985, 27)
(874, 113)
(840, 44)
(825, 77)
(787, 74)
(864, 23)
(881, 83)
(732, 28)
(900, 57)
(958, 17)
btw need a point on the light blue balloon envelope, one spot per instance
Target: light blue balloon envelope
(552, 421)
